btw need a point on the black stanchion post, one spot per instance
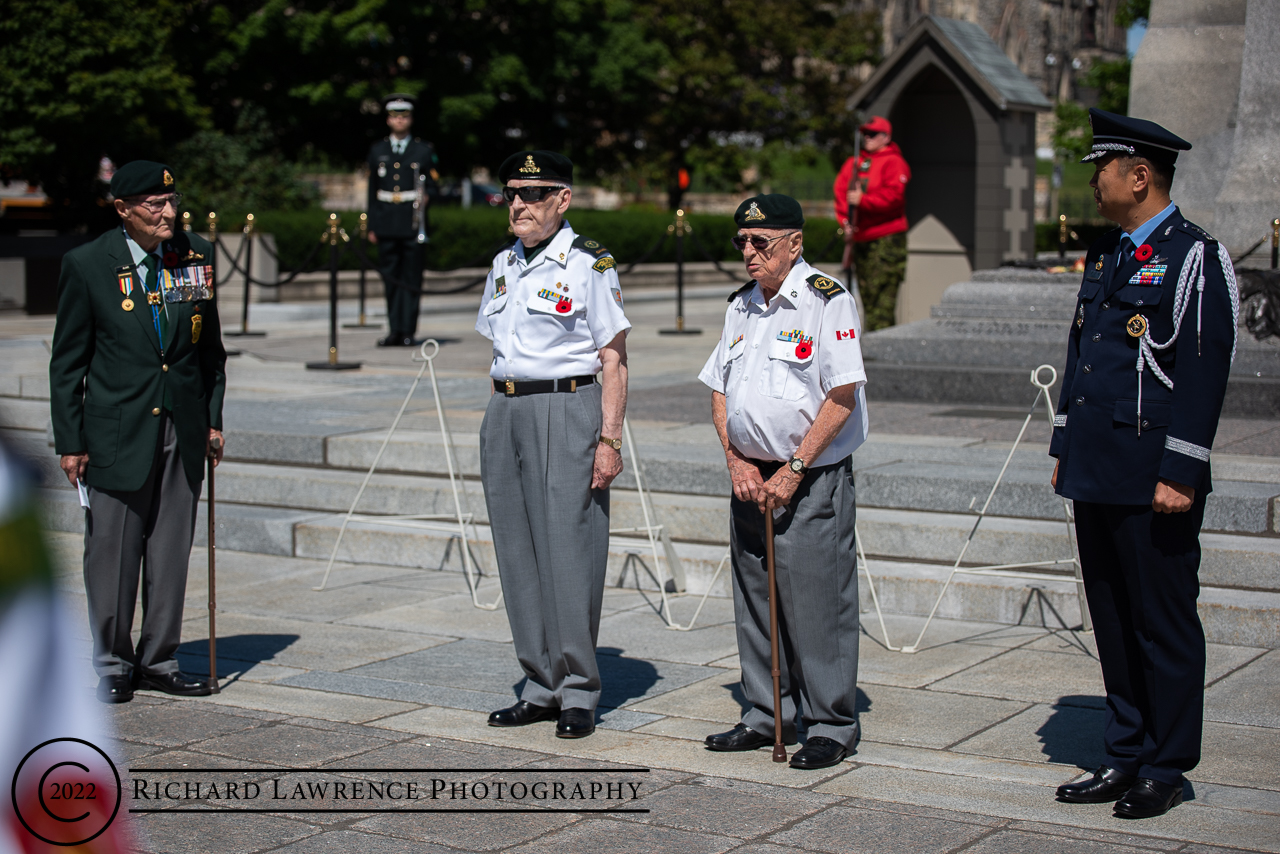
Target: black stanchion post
(363, 237)
(680, 229)
(1062, 237)
(332, 235)
(1275, 243)
(186, 220)
(249, 232)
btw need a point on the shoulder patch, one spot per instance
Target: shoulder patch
(605, 263)
(826, 286)
(748, 286)
(589, 246)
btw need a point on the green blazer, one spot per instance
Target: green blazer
(109, 378)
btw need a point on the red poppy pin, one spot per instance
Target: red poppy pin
(171, 259)
(564, 306)
(1143, 252)
(804, 350)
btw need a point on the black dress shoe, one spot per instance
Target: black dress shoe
(819, 752)
(394, 340)
(523, 713)
(115, 689)
(1148, 798)
(1107, 784)
(741, 737)
(176, 683)
(576, 723)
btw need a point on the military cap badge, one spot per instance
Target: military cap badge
(754, 213)
(530, 166)
(168, 179)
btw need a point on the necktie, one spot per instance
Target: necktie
(1126, 249)
(151, 286)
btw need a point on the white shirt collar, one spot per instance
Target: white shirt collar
(137, 251)
(794, 281)
(557, 250)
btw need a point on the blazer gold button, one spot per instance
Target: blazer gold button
(155, 411)
(164, 368)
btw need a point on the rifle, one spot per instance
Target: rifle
(420, 202)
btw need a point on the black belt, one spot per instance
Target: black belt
(768, 468)
(519, 388)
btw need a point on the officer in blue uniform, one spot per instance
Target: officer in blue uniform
(402, 182)
(1148, 356)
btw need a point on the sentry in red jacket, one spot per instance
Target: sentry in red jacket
(883, 210)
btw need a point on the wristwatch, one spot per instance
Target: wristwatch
(616, 444)
(797, 465)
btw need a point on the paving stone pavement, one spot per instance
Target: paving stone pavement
(963, 742)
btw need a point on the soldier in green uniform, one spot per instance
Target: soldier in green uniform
(136, 383)
(402, 182)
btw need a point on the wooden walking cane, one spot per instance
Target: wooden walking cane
(779, 750)
(214, 445)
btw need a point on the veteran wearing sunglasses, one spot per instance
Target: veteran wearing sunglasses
(551, 439)
(136, 382)
(788, 403)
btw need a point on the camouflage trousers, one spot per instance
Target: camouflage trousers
(880, 265)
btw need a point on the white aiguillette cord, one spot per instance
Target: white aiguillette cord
(1192, 268)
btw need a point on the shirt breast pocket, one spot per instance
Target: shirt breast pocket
(1139, 296)
(496, 304)
(786, 376)
(557, 306)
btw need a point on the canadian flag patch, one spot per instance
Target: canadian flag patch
(845, 334)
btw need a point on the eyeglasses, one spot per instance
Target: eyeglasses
(528, 195)
(757, 242)
(158, 205)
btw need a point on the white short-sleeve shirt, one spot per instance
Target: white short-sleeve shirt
(549, 318)
(775, 365)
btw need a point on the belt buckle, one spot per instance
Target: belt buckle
(511, 388)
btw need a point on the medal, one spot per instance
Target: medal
(153, 298)
(1080, 317)
(1137, 326)
(127, 304)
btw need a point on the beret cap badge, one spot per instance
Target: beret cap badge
(754, 213)
(530, 166)
(168, 179)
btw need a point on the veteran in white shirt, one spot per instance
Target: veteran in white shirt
(551, 439)
(788, 403)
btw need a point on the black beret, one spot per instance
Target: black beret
(772, 210)
(141, 178)
(1115, 134)
(545, 165)
(398, 102)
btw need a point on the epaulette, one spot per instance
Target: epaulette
(589, 246)
(749, 285)
(1197, 232)
(826, 286)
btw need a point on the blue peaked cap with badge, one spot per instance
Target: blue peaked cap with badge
(1116, 134)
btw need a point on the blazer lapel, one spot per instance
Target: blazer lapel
(120, 256)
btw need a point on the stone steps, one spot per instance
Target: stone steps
(1239, 601)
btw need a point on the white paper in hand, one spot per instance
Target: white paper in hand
(84, 492)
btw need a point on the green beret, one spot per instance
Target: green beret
(142, 178)
(544, 165)
(771, 210)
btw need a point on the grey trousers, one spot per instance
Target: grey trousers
(817, 607)
(551, 535)
(148, 530)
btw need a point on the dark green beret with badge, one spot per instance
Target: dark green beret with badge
(536, 165)
(142, 178)
(769, 210)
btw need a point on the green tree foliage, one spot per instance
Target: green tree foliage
(1130, 12)
(80, 79)
(239, 171)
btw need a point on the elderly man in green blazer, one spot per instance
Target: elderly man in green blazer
(136, 383)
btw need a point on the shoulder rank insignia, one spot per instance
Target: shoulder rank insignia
(826, 286)
(1198, 232)
(748, 286)
(605, 263)
(586, 244)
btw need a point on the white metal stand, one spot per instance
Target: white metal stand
(1009, 570)
(464, 518)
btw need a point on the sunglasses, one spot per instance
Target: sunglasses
(757, 242)
(528, 195)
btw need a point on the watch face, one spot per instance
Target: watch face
(797, 466)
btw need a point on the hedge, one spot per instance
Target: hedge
(471, 237)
